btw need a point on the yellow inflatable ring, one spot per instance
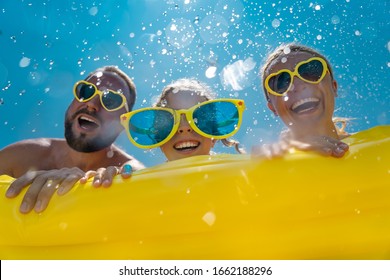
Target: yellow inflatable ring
(302, 206)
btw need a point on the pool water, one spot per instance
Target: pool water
(46, 46)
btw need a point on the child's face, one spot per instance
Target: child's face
(305, 104)
(186, 142)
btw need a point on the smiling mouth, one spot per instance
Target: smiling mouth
(87, 123)
(305, 105)
(186, 146)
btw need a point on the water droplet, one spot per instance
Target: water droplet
(211, 72)
(24, 62)
(275, 23)
(209, 218)
(335, 20)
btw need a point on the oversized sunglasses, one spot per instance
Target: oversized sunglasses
(311, 71)
(110, 100)
(152, 127)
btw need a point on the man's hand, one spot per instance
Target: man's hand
(43, 184)
(104, 176)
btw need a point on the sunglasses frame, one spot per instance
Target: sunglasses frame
(100, 93)
(239, 104)
(296, 73)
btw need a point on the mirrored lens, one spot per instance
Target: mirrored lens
(84, 91)
(311, 71)
(111, 100)
(217, 118)
(151, 127)
(280, 82)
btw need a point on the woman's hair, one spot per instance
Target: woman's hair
(129, 82)
(285, 49)
(191, 84)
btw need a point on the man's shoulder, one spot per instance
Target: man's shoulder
(31, 145)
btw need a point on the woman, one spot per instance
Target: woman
(300, 88)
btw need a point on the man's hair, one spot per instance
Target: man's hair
(129, 82)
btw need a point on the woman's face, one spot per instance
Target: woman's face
(304, 104)
(186, 142)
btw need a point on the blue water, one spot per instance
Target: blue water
(46, 46)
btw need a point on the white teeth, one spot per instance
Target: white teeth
(88, 119)
(303, 101)
(188, 144)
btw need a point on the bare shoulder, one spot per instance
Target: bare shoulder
(32, 145)
(17, 158)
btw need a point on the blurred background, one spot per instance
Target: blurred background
(46, 46)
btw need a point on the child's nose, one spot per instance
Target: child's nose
(184, 125)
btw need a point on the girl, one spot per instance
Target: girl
(186, 121)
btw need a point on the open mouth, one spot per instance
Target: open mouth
(186, 146)
(305, 105)
(87, 123)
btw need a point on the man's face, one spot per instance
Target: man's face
(88, 126)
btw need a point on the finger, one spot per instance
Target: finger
(20, 183)
(97, 180)
(338, 152)
(68, 183)
(46, 194)
(87, 175)
(30, 197)
(108, 175)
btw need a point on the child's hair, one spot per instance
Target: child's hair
(283, 50)
(199, 88)
(296, 47)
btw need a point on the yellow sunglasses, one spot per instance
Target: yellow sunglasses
(110, 100)
(152, 127)
(311, 71)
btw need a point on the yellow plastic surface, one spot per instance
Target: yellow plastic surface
(302, 206)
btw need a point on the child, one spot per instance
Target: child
(300, 88)
(186, 121)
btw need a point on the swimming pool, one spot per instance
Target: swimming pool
(48, 45)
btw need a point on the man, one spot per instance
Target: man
(91, 126)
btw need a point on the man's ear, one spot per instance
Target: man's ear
(213, 141)
(271, 107)
(335, 86)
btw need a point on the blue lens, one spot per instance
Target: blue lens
(280, 82)
(111, 100)
(311, 71)
(151, 127)
(84, 91)
(217, 118)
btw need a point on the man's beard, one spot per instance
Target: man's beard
(82, 143)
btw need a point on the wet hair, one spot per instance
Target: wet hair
(185, 84)
(129, 82)
(281, 51)
(191, 84)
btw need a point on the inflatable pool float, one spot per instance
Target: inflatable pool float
(302, 206)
